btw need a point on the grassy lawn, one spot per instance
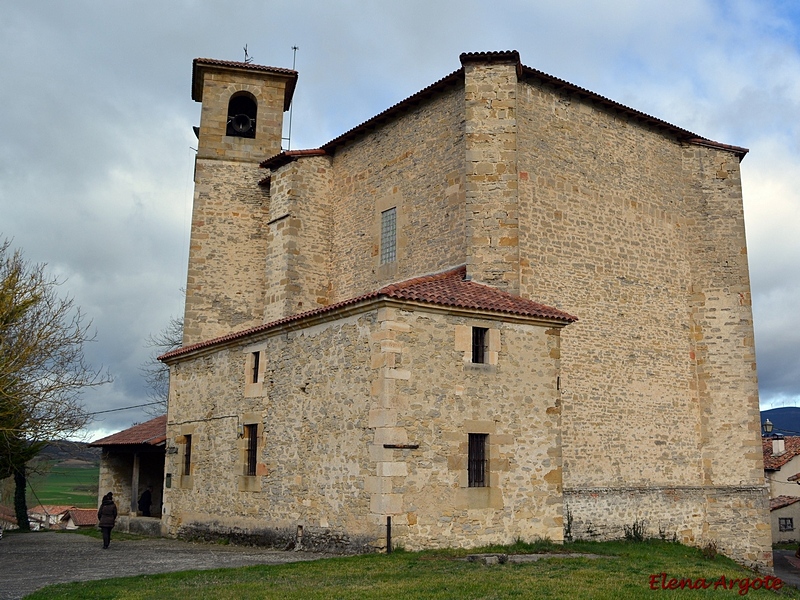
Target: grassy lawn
(65, 484)
(625, 572)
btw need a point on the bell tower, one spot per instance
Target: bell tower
(241, 124)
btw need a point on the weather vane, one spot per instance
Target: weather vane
(247, 58)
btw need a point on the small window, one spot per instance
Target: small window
(478, 465)
(251, 435)
(187, 456)
(255, 362)
(785, 524)
(479, 353)
(389, 236)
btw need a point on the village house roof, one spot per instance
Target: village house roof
(792, 449)
(8, 515)
(782, 502)
(50, 509)
(524, 74)
(83, 517)
(152, 432)
(447, 289)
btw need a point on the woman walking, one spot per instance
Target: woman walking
(107, 516)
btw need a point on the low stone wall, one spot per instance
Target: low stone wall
(732, 518)
(306, 538)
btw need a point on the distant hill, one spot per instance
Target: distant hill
(784, 420)
(61, 450)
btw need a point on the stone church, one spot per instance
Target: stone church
(505, 307)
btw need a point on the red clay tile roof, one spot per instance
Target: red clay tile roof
(152, 432)
(7, 514)
(197, 80)
(284, 158)
(50, 509)
(782, 501)
(524, 73)
(450, 289)
(83, 517)
(773, 463)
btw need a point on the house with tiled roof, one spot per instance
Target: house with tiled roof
(8, 518)
(782, 472)
(81, 517)
(505, 307)
(49, 516)
(132, 460)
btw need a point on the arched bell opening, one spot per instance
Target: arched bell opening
(242, 110)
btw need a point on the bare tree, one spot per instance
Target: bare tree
(155, 372)
(42, 367)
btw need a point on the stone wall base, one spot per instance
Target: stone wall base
(734, 518)
(307, 539)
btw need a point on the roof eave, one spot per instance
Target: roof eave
(201, 64)
(358, 306)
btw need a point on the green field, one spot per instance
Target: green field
(625, 570)
(65, 484)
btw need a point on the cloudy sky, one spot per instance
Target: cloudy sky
(96, 124)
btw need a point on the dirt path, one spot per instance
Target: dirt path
(32, 561)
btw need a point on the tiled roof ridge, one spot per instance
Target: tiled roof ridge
(782, 501)
(490, 56)
(396, 291)
(214, 62)
(197, 92)
(457, 272)
(522, 71)
(287, 156)
(791, 445)
(151, 432)
(51, 509)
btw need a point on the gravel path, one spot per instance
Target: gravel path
(32, 561)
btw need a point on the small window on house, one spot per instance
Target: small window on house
(242, 111)
(187, 456)
(479, 336)
(477, 463)
(251, 435)
(389, 236)
(785, 524)
(255, 363)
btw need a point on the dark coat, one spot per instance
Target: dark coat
(145, 501)
(107, 514)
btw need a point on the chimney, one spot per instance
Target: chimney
(778, 446)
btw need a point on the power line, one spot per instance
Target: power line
(100, 412)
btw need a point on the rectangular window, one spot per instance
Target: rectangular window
(187, 456)
(389, 236)
(478, 464)
(251, 435)
(479, 344)
(256, 360)
(786, 524)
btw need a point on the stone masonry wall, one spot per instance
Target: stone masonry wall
(299, 242)
(333, 395)
(722, 322)
(415, 164)
(219, 85)
(226, 281)
(428, 393)
(617, 227)
(603, 235)
(491, 174)
(311, 410)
